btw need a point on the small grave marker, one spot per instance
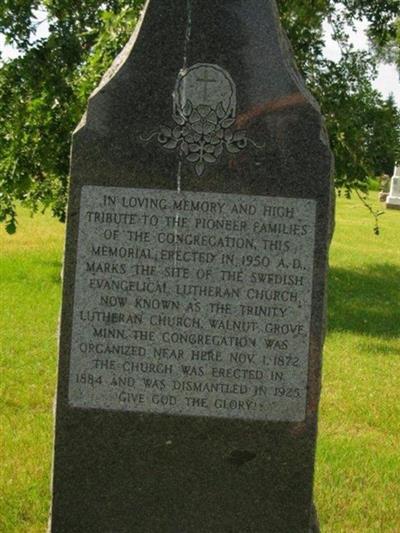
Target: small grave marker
(393, 200)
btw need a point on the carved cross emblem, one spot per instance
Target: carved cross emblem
(204, 112)
(206, 81)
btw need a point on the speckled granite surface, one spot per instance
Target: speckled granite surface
(124, 472)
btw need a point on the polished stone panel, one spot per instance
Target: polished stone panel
(193, 304)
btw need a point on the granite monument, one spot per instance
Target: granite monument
(193, 314)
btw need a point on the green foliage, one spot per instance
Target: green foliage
(389, 50)
(43, 92)
(364, 128)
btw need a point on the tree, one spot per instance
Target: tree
(364, 146)
(389, 49)
(43, 92)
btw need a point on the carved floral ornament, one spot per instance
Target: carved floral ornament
(204, 112)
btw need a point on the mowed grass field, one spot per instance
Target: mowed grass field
(358, 466)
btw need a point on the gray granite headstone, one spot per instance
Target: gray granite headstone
(195, 276)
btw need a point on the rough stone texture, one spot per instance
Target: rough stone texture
(125, 472)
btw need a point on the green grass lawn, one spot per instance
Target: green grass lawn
(358, 468)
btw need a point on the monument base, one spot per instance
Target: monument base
(393, 203)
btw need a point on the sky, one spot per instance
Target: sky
(387, 82)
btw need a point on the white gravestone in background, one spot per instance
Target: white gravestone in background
(393, 200)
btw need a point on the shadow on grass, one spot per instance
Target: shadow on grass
(365, 301)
